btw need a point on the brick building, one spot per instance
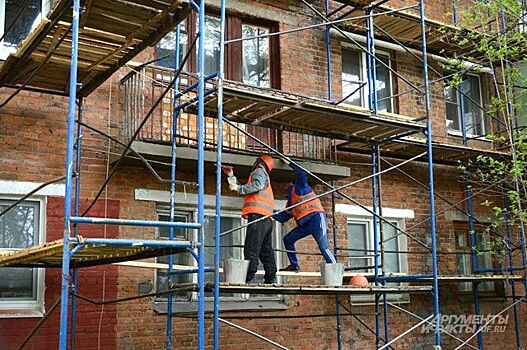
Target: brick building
(290, 67)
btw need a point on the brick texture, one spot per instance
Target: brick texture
(32, 148)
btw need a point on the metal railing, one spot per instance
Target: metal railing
(145, 84)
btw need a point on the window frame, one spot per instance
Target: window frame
(403, 258)
(484, 123)
(364, 73)
(232, 206)
(234, 52)
(46, 6)
(28, 308)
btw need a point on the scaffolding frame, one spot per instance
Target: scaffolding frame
(73, 243)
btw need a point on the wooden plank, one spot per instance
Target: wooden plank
(315, 289)
(159, 266)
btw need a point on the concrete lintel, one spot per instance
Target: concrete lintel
(240, 161)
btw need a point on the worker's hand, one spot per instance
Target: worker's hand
(291, 225)
(228, 170)
(234, 187)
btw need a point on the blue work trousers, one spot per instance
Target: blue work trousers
(316, 226)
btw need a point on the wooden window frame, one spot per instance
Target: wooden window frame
(234, 51)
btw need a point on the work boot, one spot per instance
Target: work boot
(271, 281)
(291, 268)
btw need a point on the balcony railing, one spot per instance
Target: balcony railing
(146, 84)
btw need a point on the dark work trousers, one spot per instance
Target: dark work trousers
(259, 245)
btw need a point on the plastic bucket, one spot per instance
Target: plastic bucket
(332, 274)
(235, 270)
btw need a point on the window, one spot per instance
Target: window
(252, 60)
(231, 247)
(360, 239)
(179, 259)
(28, 18)
(165, 50)
(354, 74)
(256, 62)
(21, 227)
(476, 122)
(464, 258)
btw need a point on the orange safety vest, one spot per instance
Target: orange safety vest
(261, 202)
(312, 206)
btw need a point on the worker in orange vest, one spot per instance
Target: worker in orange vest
(309, 216)
(257, 204)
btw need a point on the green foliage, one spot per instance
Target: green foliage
(491, 29)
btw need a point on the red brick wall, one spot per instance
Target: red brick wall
(91, 325)
(32, 148)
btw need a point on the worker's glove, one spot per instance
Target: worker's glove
(232, 180)
(234, 187)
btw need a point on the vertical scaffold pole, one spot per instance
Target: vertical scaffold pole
(76, 210)
(435, 290)
(175, 115)
(201, 175)
(372, 104)
(328, 56)
(335, 245)
(371, 63)
(66, 255)
(381, 247)
(330, 97)
(511, 271)
(376, 262)
(471, 228)
(219, 149)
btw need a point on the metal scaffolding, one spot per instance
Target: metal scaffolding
(205, 96)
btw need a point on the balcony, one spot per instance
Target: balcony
(144, 86)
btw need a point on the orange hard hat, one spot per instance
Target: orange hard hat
(359, 280)
(268, 161)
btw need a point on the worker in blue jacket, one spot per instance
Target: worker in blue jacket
(309, 216)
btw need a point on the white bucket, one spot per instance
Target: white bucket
(332, 274)
(235, 270)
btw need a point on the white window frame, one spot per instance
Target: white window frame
(356, 214)
(483, 115)
(233, 206)
(28, 308)
(44, 11)
(364, 73)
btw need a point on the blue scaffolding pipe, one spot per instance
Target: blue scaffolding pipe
(454, 12)
(130, 222)
(371, 64)
(175, 114)
(191, 271)
(335, 245)
(63, 333)
(329, 69)
(190, 87)
(381, 243)
(137, 243)
(328, 56)
(435, 288)
(201, 174)
(408, 278)
(219, 149)
(376, 242)
(194, 99)
(513, 285)
(76, 210)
